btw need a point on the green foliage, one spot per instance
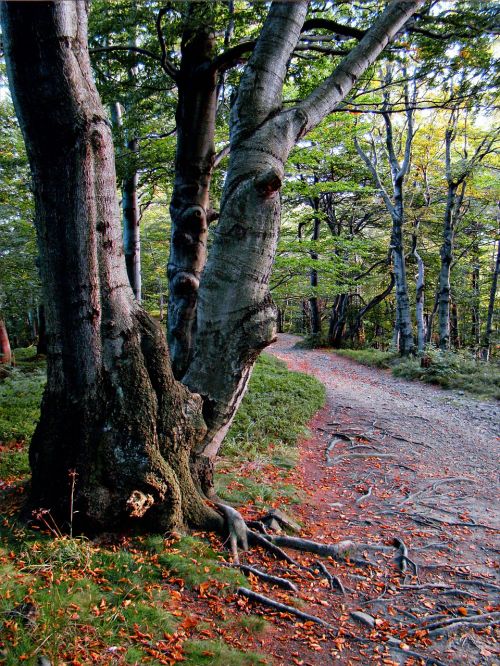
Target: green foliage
(20, 396)
(271, 418)
(217, 653)
(454, 370)
(451, 370)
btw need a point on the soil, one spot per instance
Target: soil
(390, 459)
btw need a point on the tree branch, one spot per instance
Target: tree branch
(375, 175)
(333, 90)
(167, 66)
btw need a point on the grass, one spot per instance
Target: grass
(263, 437)
(375, 358)
(451, 370)
(142, 599)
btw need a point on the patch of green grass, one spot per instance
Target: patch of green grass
(236, 489)
(217, 653)
(87, 598)
(271, 418)
(20, 397)
(275, 410)
(375, 358)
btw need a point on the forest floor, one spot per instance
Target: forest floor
(392, 459)
(406, 469)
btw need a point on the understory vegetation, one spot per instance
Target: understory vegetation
(451, 370)
(141, 599)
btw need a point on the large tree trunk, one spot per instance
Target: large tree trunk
(41, 345)
(5, 351)
(491, 307)
(236, 317)
(112, 411)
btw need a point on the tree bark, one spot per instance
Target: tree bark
(112, 411)
(5, 351)
(189, 207)
(420, 295)
(491, 307)
(41, 345)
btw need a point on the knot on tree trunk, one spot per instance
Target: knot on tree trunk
(138, 503)
(268, 183)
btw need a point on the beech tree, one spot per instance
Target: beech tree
(113, 413)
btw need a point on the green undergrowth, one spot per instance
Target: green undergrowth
(375, 358)
(451, 370)
(264, 434)
(20, 395)
(134, 600)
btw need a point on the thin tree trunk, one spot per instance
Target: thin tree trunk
(454, 328)
(476, 298)
(5, 351)
(131, 226)
(403, 317)
(420, 296)
(491, 307)
(313, 301)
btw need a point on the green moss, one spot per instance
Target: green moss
(275, 410)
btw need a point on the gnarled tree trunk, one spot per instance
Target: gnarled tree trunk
(112, 410)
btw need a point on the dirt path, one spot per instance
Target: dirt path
(409, 461)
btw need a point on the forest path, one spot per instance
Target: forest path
(427, 461)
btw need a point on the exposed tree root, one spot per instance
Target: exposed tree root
(344, 550)
(365, 496)
(283, 608)
(433, 486)
(428, 661)
(479, 583)
(402, 559)
(446, 590)
(361, 455)
(264, 542)
(268, 578)
(475, 621)
(334, 581)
